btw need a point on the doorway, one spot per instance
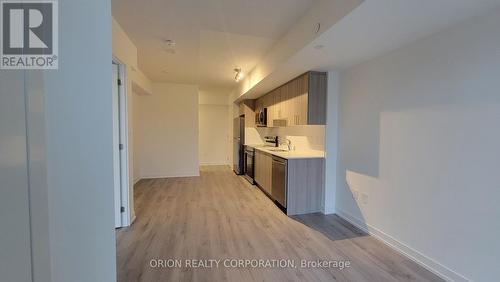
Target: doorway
(120, 146)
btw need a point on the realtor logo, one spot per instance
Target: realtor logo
(29, 34)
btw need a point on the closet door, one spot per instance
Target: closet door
(15, 245)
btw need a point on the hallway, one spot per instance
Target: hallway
(220, 216)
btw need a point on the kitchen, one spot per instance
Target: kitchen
(279, 143)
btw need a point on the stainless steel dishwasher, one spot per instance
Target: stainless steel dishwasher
(279, 181)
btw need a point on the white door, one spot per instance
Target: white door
(15, 242)
(116, 146)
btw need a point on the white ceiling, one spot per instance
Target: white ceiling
(374, 28)
(212, 36)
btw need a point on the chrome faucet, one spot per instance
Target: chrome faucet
(288, 143)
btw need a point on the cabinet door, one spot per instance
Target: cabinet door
(263, 170)
(277, 103)
(258, 168)
(248, 111)
(302, 99)
(268, 160)
(283, 103)
(296, 104)
(292, 94)
(242, 108)
(265, 174)
(259, 104)
(271, 108)
(280, 107)
(317, 98)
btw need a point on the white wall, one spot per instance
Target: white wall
(332, 145)
(301, 33)
(123, 47)
(419, 137)
(136, 150)
(214, 135)
(168, 128)
(137, 84)
(78, 129)
(66, 160)
(214, 96)
(126, 52)
(215, 138)
(15, 243)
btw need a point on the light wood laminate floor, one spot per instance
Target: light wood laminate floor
(221, 216)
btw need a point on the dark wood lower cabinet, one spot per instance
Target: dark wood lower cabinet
(305, 179)
(263, 171)
(305, 185)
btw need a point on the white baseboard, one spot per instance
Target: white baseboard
(137, 180)
(423, 260)
(209, 164)
(328, 210)
(155, 176)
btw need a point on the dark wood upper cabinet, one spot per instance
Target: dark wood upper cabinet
(301, 101)
(316, 113)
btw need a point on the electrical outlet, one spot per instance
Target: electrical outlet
(364, 198)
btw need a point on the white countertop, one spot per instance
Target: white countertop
(299, 154)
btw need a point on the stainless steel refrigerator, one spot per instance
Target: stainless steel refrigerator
(238, 144)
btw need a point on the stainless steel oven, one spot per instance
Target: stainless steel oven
(249, 164)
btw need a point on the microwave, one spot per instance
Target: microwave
(261, 118)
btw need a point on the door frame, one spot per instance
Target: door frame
(123, 163)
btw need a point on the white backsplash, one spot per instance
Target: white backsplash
(306, 137)
(252, 136)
